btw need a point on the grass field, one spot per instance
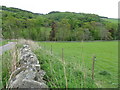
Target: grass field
(112, 20)
(3, 42)
(75, 70)
(6, 42)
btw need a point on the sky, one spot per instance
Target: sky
(107, 8)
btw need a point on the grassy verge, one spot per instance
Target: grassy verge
(78, 58)
(5, 67)
(1, 72)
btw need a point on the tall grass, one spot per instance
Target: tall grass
(62, 73)
(9, 60)
(6, 67)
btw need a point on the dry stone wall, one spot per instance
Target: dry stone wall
(28, 74)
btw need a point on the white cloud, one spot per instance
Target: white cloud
(107, 8)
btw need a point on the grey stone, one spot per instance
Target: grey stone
(29, 84)
(28, 74)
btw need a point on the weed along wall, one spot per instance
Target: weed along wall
(28, 73)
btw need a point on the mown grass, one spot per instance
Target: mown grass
(78, 63)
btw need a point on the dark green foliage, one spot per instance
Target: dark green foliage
(52, 32)
(69, 26)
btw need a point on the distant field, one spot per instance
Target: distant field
(6, 42)
(3, 42)
(80, 54)
(112, 20)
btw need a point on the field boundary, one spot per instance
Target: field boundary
(28, 73)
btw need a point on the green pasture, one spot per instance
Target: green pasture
(78, 58)
(6, 42)
(112, 20)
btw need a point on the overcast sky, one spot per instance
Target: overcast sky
(108, 8)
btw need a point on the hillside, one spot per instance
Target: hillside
(56, 26)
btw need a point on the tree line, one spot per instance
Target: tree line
(56, 26)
